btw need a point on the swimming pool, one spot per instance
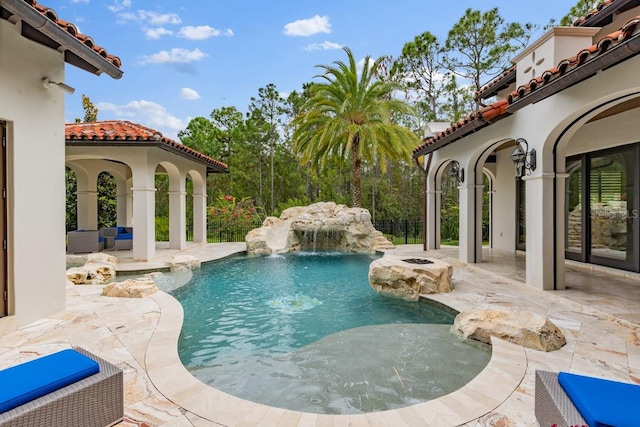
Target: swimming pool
(306, 332)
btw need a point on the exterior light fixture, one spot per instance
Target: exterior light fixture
(457, 172)
(48, 84)
(524, 159)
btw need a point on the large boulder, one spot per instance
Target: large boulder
(183, 262)
(321, 226)
(98, 269)
(131, 288)
(407, 278)
(517, 326)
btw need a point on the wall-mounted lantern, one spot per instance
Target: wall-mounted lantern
(457, 172)
(524, 159)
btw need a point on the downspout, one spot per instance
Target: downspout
(425, 172)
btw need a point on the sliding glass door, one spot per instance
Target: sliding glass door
(601, 212)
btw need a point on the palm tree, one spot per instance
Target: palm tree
(350, 117)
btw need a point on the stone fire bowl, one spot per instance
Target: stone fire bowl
(408, 277)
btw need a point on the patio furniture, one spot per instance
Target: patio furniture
(80, 241)
(109, 235)
(69, 395)
(564, 399)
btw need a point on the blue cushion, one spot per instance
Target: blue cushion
(36, 378)
(100, 239)
(124, 236)
(120, 230)
(603, 402)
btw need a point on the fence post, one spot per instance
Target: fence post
(406, 231)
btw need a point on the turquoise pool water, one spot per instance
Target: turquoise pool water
(306, 332)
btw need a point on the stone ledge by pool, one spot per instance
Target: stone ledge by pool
(480, 396)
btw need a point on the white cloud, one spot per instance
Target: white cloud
(323, 46)
(188, 93)
(156, 33)
(154, 18)
(174, 56)
(228, 32)
(79, 1)
(147, 113)
(308, 27)
(119, 6)
(201, 32)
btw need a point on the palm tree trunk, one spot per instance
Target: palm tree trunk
(357, 163)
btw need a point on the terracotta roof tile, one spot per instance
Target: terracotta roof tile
(73, 30)
(593, 12)
(584, 56)
(125, 132)
(501, 81)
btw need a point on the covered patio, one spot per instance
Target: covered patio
(133, 154)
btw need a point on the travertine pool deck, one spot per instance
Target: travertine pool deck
(598, 314)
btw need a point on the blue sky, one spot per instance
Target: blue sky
(183, 59)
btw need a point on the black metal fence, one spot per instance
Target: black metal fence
(401, 231)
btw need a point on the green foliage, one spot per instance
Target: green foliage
(71, 201)
(579, 10)
(231, 215)
(349, 116)
(107, 200)
(480, 45)
(162, 228)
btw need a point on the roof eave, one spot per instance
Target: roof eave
(67, 41)
(211, 168)
(605, 60)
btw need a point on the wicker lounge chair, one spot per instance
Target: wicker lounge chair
(552, 405)
(81, 241)
(97, 400)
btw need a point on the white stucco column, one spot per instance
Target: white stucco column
(560, 229)
(144, 236)
(128, 217)
(467, 230)
(121, 200)
(177, 219)
(540, 264)
(199, 218)
(87, 201)
(433, 218)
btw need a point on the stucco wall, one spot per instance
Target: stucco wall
(504, 203)
(35, 116)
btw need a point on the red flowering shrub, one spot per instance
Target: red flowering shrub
(230, 216)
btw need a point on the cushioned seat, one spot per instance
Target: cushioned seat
(603, 402)
(31, 380)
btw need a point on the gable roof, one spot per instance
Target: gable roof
(610, 50)
(128, 134)
(42, 25)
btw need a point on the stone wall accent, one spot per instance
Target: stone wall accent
(395, 276)
(517, 326)
(131, 288)
(319, 226)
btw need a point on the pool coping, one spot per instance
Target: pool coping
(484, 393)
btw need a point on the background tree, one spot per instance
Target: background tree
(419, 71)
(349, 116)
(579, 10)
(480, 45)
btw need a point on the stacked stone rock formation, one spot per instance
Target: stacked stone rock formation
(320, 226)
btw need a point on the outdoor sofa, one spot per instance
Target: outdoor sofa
(69, 388)
(564, 399)
(83, 241)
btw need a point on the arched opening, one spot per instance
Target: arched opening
(71, 206)
(449, 207)
(107, 200)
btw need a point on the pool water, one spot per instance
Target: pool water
(306, 332)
